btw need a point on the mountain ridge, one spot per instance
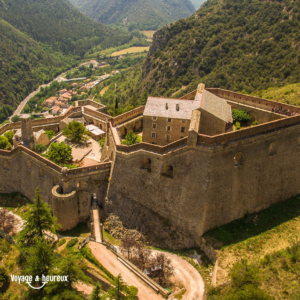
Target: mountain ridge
(137, 14)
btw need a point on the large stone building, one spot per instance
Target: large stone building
(176, 192)
(166, 120)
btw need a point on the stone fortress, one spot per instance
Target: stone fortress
(178, 183)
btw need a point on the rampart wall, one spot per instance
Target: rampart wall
(218, 180)
(22, 170)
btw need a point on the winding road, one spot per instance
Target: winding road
(183, 271)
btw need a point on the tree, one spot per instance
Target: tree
(38, 263)
(165, 267)
(67, 266)
(118, 288)
(4, 143)
(241, 115)
(128, 243)
(38, 221)
(96, 292)
(60, 153)
(76, 132)
(15, 119)
(102, 142)
(131, 138)
(9, 135)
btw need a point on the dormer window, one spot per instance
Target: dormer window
(177, 107)
(167, 107)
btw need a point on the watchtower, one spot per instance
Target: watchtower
(27, 132)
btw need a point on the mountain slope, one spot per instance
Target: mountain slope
(142, 14)
(237, 45)
(24, 64)
(58, 23)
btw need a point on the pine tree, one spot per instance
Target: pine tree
(96, 291)
(38, 221)
(121, 291)
(38, 263)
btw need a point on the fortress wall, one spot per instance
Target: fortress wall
(22, 172)
(128, 115)
(251, 100)
(97, 114)
(90, 102)
(257, 114)
(134, 125)
(211, 185)
(210, 124)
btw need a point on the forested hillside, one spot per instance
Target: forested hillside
(24, 64)
(59, 24)
(136, 14)
(237, 45)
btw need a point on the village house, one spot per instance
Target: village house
(50, 101)
(56, 110)
(62, 91)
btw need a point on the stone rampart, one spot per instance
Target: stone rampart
(252, 100)
(128, 115)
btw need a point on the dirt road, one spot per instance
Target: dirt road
(189, 277)
(111, 262)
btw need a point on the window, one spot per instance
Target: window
(168, 128)
(153, 135)
(182, 129)
(154, 126)
(182, 121)
(168, 137)
(154, 118)
(169, 120)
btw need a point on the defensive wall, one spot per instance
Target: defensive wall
(202, 182)
(22, 170)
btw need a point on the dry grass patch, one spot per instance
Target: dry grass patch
(130, 50)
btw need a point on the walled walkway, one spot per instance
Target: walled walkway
(96, 224)
(111, 262)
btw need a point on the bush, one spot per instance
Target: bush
(60, 153)
(9, 135)
(254, 123)
(50, 134)
(15, 119)
(249, 292)
(4, 143)
(238, 125)
(131, 138)
(102, 142)
(39, 148)
(61, 242)
(72, 242)
(240, 115)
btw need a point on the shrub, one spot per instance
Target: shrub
(9, 135)
(238, 125)
(131, 138)
(240, 115)
(50, 134)
(72, 242)
(39, 148)
(255, 123)
(61, 242)
(4, 143)
(60, 153)
(102, 142)
(15, 119)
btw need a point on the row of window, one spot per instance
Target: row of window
(168, 136)
(169, 120)
(168, 128)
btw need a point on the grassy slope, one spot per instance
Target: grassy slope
(289, 94)
(259, 235)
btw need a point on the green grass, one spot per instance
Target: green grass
(81, 230)
(289, 94)
(110, 239)
(5, 122)
(180, 295)
(256, 224)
